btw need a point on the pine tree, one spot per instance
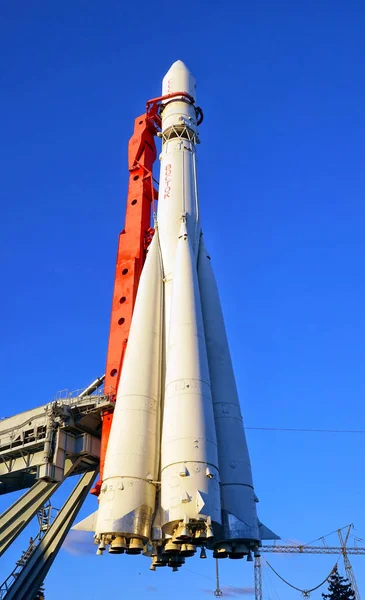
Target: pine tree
(339, 588)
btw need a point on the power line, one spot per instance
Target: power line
(302, 430)
(305, 593)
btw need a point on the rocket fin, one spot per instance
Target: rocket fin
(243, 529)
(200, 503)
(266, 533)
(87, 524)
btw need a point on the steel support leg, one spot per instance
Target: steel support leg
(15, 518)
(32, 576)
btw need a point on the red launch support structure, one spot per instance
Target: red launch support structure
(132, 246)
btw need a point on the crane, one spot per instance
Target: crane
(348, 567)
(310, 549)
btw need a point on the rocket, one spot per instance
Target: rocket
(177, 474)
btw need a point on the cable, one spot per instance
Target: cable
(266, 575)
(328, 534)
(297, 429)
(266, 586)
(210, 578)
(298, 589)
(200, 574)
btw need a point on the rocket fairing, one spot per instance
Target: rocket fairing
(177, 470)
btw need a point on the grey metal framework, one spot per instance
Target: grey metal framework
(39, 448)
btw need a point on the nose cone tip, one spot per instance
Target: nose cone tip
(178, 79)
(178, 65)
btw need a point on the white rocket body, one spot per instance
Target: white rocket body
(189, 456)
(178, 193)
(127, 496)
(177, 470)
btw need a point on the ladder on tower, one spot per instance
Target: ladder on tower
(45, 518)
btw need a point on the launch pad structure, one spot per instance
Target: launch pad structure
(69, 436)
(42, 447)
(39, 449)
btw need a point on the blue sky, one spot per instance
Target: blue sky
(281, 179)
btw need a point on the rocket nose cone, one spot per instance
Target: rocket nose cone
(178, 79)
(178, 64)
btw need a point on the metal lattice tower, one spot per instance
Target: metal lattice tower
(348, 567)
(258, 578)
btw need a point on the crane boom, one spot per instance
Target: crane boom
(312, 549)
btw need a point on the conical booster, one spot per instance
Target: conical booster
(128, 494)
(189, 461)
(238, 497)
